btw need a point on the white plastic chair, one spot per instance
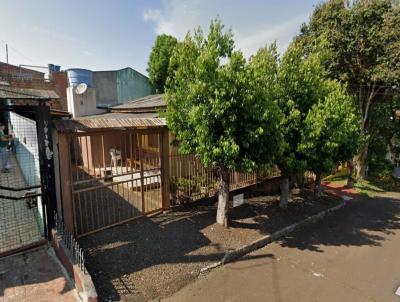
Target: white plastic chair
(115, 157)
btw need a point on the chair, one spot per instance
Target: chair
(115, 157)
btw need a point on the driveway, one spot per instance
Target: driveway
(34, 276)
(352, 255)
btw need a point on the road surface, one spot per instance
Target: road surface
(352, 255)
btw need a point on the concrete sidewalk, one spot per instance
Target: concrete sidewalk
(34, 276)
(352, 255)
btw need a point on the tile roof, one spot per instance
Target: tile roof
(109, 121)
(147, 103)
(7, 92)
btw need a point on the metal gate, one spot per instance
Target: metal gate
(115, 176)
(27, 199)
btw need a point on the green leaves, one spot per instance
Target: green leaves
(331, 131)
(320, 126)
(159, 61)
(250, 114)
(221, 107)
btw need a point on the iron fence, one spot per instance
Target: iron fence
(74, 251)
(189, 180)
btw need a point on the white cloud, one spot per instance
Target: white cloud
(282, 33)
(177, 17)
(152, 15)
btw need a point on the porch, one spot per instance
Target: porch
(111, 171)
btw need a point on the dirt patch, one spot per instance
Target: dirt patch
(154, 257)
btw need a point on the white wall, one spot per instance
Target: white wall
(82, 104)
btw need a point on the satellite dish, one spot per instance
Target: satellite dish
(81, 88)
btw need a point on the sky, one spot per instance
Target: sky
(113, 34)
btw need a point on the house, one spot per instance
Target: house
(20, 77)
(12, 72)
(121, 165)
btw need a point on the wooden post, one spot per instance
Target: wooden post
(164, 149)
(66, 182)
(140, 135)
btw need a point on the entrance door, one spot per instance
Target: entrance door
(26, 176)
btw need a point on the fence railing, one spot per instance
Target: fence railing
(72, 247)
(190, 180)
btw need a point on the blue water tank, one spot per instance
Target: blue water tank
(54, 68)
(79, 75)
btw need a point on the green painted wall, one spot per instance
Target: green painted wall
(131, 85)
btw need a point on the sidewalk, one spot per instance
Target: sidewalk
(34, 276)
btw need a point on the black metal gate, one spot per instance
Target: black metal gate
(27, 186)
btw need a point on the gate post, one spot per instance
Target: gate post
(46, 161)
(66, 183)
(165, 168)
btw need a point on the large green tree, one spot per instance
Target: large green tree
(159, 61)
(220, 106)
(329, 134)
(364, 51)
(301, 84)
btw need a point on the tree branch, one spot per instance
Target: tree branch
(372, 94)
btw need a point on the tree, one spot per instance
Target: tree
(364, 52)
(219, 106)
(301, 84)
(159, 61)
(330, 133)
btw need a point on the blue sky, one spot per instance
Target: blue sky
(112, 34)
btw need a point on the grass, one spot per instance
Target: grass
(368, 187)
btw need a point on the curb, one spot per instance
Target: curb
(263, 241)
(82, 282)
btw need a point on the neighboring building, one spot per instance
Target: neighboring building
(120, 86)
(9, 71)
(103, 89)
(25, 78)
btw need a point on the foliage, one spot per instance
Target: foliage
(218, 104)
(184, 184)
(386, 134)
(330, 131)
(303, 88)
(159, 61)
(363, 50)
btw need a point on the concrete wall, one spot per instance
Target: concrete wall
(82, 104)
(131, 85)
(105, 83)
(119, 86)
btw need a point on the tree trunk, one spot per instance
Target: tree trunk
(284, 199)
(223, 198)
(361, 163)
(350, 179)
(318, 187)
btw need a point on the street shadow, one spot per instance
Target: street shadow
(365, 222)
(262, 213)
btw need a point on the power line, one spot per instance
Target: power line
(18, 52)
